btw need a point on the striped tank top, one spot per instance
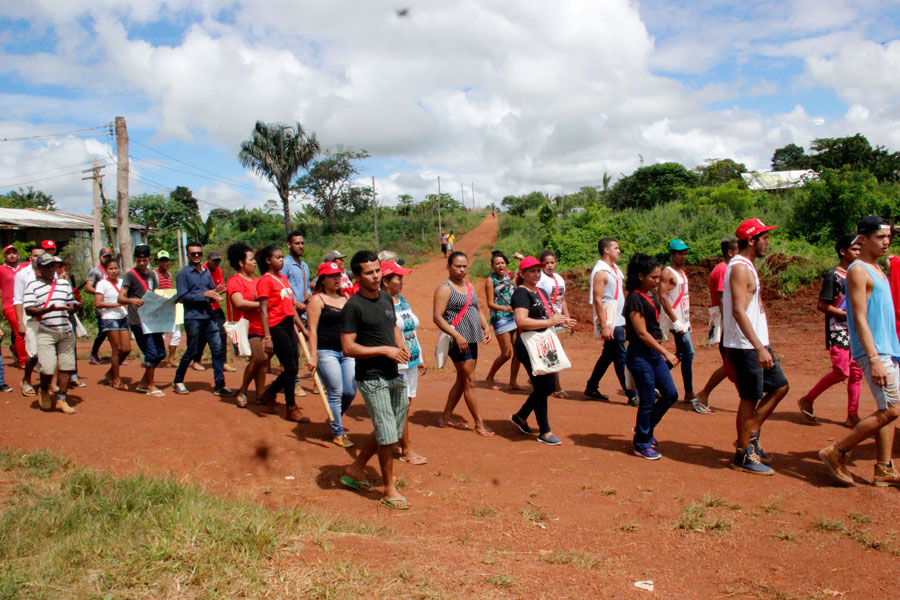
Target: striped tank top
(470, 325)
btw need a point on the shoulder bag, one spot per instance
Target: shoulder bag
(545, 352)
(442, 349)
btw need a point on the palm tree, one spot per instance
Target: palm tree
(277, 152)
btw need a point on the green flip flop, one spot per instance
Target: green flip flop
(353, 484)
(394, 503)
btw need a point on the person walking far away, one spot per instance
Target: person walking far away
(371, 336)
(675, 299)
(875, 347)
(533, 312)
(832, 302)
(95, 276)
(607, 289)
(729, 247)
(196, 291)
(648, 360)
(8, 271)
(760, 382)
(136, 283)
(444, 244)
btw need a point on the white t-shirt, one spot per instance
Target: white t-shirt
(21, 281)
(555, 288)
(111, 296)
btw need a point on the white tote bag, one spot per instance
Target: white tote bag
(715, 325)
(238, 333)
(545, 351)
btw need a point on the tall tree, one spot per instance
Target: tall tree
(717, 171)
(652, 185)
(278, 152)
(329, 181)
(30, 198)
(790, 158)
(185, 196)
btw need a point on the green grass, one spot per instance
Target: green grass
(84, 534)
(485, 511)
(534, 514)
(823, 524)
(629, 527)
(694, 518)
(499, 580)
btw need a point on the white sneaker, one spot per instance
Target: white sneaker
(180, 388)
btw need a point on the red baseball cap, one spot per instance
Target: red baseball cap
(48, 245)
(329, 268)
(10, 247)
(389, 267)
(751, 228)
(528, 262)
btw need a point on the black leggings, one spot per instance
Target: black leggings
(287, 349)
(543, 386)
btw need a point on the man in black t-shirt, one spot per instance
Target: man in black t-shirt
(371, 336)
(837, 337)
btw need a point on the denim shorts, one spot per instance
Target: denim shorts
(888, 395)
(113, 324)
(457, 355)
(503, 324)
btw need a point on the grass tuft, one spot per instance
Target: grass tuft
(485, 511)
(575, 559)
(629, 527)
(499, 580)
(823, 524)
(41, 464)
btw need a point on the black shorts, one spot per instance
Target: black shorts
(456, 355)
(443, 247)
(752, 381)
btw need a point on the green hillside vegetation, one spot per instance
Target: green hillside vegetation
(653, 205)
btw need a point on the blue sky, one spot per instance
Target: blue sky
(509, 97)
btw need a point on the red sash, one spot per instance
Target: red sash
(49, 298)
(651, 304)
(141, 279)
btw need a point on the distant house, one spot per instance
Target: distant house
(33, 225)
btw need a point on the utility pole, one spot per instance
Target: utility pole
(473, 195)
(123, 228)
(440, 228)
(97, 240)
(375, 203)
(462, 195)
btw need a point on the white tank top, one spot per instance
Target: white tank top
(614, 289)
(679, 298)
(732, 336)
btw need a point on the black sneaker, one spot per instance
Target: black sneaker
(5, 388)
(596, 395)
(633, 401)
(523, 427)
(225, 392)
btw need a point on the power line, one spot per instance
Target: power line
(162, 165)
(216, 175)
(52, 135)
(46, 171)
(20, 183)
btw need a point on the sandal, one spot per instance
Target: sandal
(561, 394)
(354, 484)
(28, 390)
(242, 400)
(396, 503)
(808, 415)
(414, 460)
(156, 393)
(701, 408)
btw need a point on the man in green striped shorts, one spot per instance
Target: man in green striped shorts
(370, 335)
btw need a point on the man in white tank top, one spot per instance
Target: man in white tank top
(607, 291)
(675, 300)
(760, 382)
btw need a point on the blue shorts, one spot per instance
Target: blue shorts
(503, 324)
(113, 324)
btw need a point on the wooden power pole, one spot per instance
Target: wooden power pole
(473, 195)
(97, 239)
(440, 227)
(123, 228)
(375, 204)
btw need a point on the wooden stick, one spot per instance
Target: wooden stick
(319, 386)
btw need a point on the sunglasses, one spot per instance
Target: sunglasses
(195, 254)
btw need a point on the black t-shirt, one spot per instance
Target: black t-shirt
(836, 331)
(135, 289)
(522, 298)
(373, 321)
(650, 309)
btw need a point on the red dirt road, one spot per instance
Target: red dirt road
(491, 514)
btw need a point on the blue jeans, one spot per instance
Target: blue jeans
(650, 373)
(193, 328)
(336, 372)
(613, 354)
(151, 344)
(684, 350)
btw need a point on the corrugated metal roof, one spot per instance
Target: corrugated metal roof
(25, 218)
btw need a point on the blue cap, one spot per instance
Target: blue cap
(677, 245)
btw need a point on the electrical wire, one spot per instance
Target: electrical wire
(53, 135)
(50, 170)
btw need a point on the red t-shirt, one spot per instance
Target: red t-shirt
(7, 283)
(281, 298)
(165, 280)
(247, 290)
(717, 282)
